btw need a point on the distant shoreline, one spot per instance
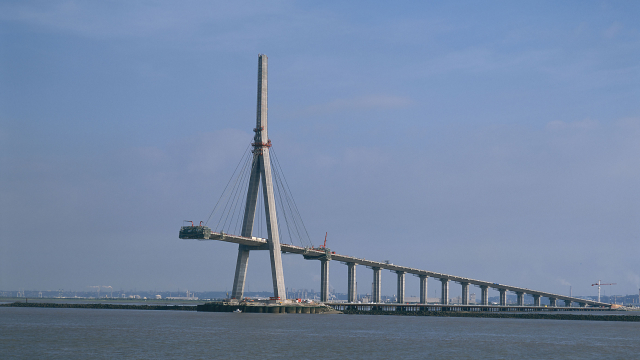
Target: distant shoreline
(499, 315)
(101, 306)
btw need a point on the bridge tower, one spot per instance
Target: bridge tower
(260, 170)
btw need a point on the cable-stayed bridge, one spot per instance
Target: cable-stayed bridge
(258, 169)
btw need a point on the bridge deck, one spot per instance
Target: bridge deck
(260, 244)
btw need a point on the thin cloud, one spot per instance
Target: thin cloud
(369, 102)
(585, 124)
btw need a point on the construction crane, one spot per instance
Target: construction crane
(324, 246)
(600, 284)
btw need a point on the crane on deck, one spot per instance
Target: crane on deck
(599, 283)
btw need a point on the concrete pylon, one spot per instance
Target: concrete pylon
(260, 170)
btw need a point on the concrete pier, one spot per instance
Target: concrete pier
(520, 298)
(400, 286)
(324, 280)
(376, 285)
(351, 283)
(465, 293)
(567, 303)
(503, 296)
(536, 300)
(444, 300)
(423, 289)
(484, 295)
(553, 302)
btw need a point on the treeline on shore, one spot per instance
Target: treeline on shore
(497, 315)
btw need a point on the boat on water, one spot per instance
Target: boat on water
(237, 311)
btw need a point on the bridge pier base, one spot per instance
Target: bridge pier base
(503, 297)
(567, 303)
(351, 283)
(520, 297)
(553, 302)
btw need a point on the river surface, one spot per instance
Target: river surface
(45, 333)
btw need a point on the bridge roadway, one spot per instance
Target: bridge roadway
(261, 244)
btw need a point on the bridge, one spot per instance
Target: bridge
(261, 173)
(255, 243)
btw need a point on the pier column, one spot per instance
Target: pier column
(567, 303)
(583, 304)
(351, 283)
(423, 289)
(465, 293)
(324, 280)
(503, 297)
(376, 285)
(520, 296)
(536, 300)
(553, 302)
(400, 287)
(484, 295)
(444, 300)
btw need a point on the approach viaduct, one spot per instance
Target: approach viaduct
(325, 256)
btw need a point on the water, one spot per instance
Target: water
(28, 333)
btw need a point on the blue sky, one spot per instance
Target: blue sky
(493, 140)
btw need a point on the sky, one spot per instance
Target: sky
(493, 140)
